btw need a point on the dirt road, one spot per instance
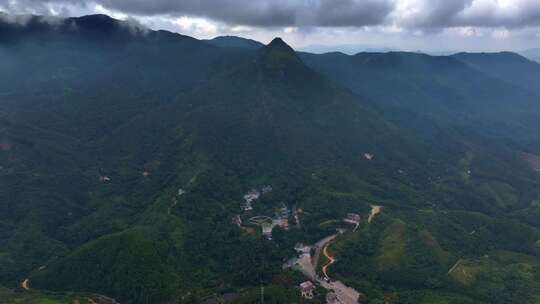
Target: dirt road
(320, 245)
(331, 260)
(374, 211)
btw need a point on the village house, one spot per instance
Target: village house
(306, 289)
(352, 218)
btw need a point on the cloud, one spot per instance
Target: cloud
(428, 13)
(397, 21)
(335, 13)
(439, 14)
(260, 13)
(425, 14)
(501, 13)
(266, 13)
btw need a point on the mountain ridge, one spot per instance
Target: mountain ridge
(235, 42)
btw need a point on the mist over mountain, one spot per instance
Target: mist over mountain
(148, 166)
(532, 54)
(350, 49)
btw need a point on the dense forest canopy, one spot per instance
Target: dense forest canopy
(127, 157)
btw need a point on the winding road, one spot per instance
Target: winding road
(375, 210)
(345, 294)
(331, 260)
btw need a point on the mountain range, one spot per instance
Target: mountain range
(126, 156)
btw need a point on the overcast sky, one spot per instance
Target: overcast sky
(427, 25)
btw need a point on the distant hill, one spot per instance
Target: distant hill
(235, 42)
(509, 67)
(436, 88)
(350, 49)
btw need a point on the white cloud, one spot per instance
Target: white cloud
(197, 26)
(99, 9)
(501, 34)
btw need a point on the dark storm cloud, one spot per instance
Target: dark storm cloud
(352, 13)
(436, 13)
(268, 12)
(424, 14)
(262, 13)
(246, 12)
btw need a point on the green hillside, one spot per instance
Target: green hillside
(126, 156)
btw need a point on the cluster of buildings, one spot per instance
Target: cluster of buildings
(281, 219)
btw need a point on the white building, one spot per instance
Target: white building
(352, 218)
(306, 289)
(249, 197)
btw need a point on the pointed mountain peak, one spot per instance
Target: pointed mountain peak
(279, 43)
(278, 54)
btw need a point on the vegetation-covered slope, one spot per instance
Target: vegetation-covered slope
(126, 153)
(506, 66)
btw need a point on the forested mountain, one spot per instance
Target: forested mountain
(506, 66)
(235, 42)
(125, 153)
(442, 88)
